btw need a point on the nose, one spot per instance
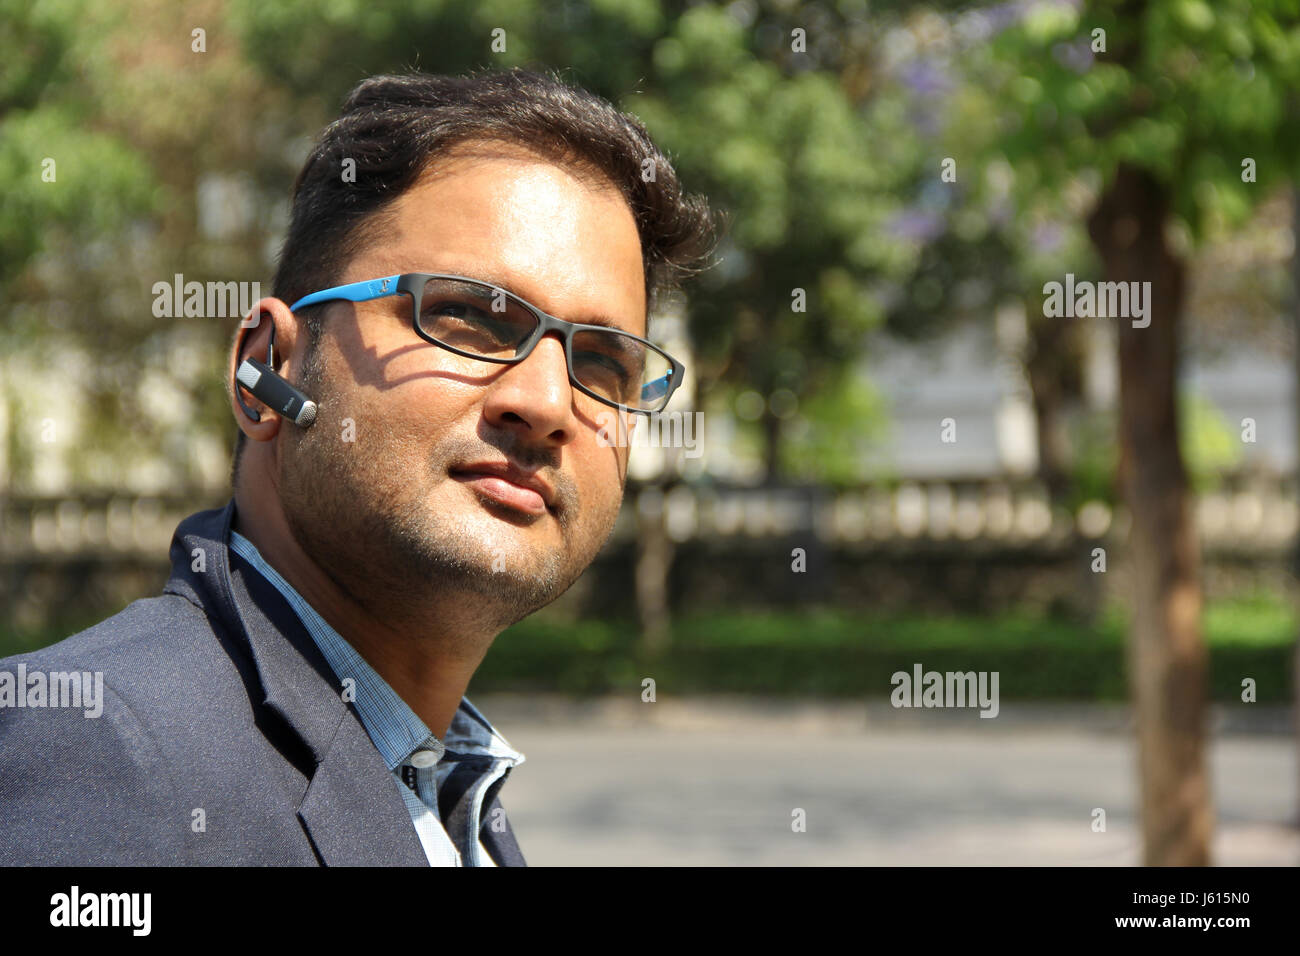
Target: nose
(535, 397)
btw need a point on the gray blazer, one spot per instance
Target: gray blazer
(223, 739)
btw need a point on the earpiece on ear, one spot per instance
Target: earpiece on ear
(273, 389)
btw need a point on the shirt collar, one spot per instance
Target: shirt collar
(397, 731)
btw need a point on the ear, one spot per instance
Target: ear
(251, 341)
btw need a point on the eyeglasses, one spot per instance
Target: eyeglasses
(481, 321)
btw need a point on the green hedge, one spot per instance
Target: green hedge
(839, 654)
(836, 653)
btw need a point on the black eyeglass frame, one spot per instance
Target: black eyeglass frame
(413, 284)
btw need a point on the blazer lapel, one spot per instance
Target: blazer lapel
(501, 846)
(351, 810)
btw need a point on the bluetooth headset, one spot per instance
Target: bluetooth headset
(272, 388)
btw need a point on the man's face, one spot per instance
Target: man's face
(392, 501)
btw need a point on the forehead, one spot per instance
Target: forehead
(564, 241)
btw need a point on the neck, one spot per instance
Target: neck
(421, 658)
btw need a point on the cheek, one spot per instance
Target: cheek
(423, 395)
(426, 408)
(599, 472)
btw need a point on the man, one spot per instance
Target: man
(297, 693)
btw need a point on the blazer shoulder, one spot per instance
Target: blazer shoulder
(158, 643)
(137, 629)
(83, 785)
(86, 760)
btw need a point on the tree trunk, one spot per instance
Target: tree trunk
(771, 448)
(1167, 654)
(1295, 406)
(1052, 367)
(654, 560)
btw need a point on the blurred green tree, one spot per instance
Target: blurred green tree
(133, 105)
(70, 184)
(1182, 116)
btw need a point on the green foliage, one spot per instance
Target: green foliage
(843, 653)
(1209, 443)
(137, 121)
(65, 179)
(1185, 89)
(834, 433)
(1094, 444)
(603, 45)
(847, 653)
(1251, 620)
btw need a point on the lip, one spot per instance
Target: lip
(510, 485)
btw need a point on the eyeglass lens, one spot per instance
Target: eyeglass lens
(481, 320)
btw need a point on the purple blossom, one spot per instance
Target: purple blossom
(1047, 237)
(1004, 15)
(918, 225)
(1076, 56)
(925, 77)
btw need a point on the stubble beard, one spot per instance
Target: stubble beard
(378, 538)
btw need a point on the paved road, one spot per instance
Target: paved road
(616, 787)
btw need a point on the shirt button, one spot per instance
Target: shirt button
(423, 758)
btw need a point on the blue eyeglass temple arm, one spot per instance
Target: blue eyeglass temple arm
(378, 288)
(354, 292)
(651, 391)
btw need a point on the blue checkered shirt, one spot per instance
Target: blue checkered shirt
(443, 782)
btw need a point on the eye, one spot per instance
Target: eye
(455, 310)
(462, 315)
(604, 363)
(602, 360)
(473, 326)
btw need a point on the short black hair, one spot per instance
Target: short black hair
(391, 127)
